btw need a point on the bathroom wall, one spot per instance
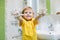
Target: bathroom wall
(55, 6)
(11, 24)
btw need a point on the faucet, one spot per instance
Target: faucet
(51, 28)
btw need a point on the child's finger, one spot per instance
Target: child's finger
(21, 14)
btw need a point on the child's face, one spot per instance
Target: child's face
(28, 14)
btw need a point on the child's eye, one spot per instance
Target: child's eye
(25, 12)
(30, 12)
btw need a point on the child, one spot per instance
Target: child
(28, 23)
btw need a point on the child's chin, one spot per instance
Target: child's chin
(29, 18)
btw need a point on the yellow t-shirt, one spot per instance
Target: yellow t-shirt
(29, 29)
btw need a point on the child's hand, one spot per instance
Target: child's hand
(15, 12)
(43, 11)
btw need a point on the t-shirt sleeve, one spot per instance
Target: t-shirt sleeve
(21, 22)
(35, 22)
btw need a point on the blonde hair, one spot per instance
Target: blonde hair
(26, 9)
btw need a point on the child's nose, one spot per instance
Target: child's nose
(28, 13)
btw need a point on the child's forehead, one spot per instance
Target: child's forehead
(28, 9)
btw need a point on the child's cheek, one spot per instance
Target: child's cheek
(24, 15)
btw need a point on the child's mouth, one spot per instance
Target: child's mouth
(28, 16)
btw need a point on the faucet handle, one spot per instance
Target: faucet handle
(51, 28)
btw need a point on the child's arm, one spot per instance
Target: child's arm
(40, 15)
(37, 18)
(17, 16)
(43, 13)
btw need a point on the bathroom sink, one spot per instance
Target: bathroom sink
(43, 35)
(49, 28)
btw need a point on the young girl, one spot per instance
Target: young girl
(28, 23)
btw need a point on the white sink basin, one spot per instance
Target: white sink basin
(48, 35)
(45, 33)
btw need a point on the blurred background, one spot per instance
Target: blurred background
(49, 27)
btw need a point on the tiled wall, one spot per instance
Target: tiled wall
(11, 24)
